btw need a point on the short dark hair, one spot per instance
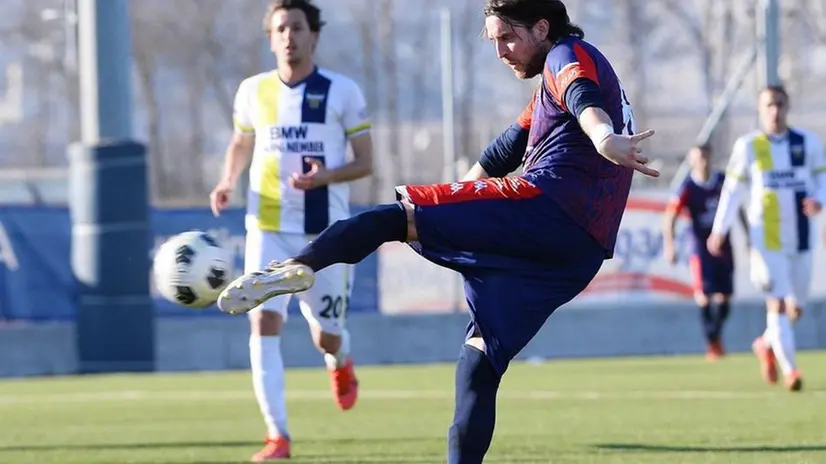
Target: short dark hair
(778, 89)
(704, 148)
(527, 13)
(312, 12)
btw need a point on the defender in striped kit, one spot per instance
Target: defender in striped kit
(783, 170)
(295, 124)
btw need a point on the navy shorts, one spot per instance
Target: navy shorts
(520, 255)
(712, 274)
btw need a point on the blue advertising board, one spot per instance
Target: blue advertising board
(36, 281)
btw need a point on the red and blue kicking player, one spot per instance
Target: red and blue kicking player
(713, 276)
(525, 245)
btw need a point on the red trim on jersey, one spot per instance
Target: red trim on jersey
(526, 117)
(587, 68)
(654, 206)
(583, 68)
(497, 188)
(696, 273)
(676, 204)
(550, 81)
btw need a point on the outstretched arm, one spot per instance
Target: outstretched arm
(670, 220)
(734, 189)
(571, 78)
(619, 149)
(814, 204)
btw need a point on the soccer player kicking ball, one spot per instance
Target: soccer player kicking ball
(525, 245)
(296, 122)
(784, 171)
(713, 275)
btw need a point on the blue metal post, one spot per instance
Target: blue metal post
(768, 31)
(109, 202)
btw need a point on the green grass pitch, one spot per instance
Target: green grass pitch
(641, 410)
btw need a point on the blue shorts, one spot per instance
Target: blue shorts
(520, 255)
(711, 274)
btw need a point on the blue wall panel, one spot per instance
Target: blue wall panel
(36, 280)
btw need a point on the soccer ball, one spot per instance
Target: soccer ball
(191, 269)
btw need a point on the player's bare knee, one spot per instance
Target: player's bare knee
(326, 339)
(327, 342)
(265, 323)
(701, 299)
(410, 210)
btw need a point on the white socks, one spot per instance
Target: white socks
(267, 368)
(338, 360)
(780, 336)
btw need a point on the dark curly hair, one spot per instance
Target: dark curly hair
(527, 13)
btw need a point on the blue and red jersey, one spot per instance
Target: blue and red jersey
(700, 200)
(560, 158)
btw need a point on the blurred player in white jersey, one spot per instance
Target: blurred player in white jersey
(295, 123)
(783, 171)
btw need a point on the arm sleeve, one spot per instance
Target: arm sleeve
(567, 63)
(355, 117)
(818, 169)
(241, 110)
(679, 199)
(582, 94)
(734, 189)
(504, 155)
(525, 118)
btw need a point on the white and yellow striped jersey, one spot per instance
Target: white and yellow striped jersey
(777, 173)
(291, 123)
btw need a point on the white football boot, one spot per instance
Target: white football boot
(250, 290)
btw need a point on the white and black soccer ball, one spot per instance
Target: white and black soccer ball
(191, 269)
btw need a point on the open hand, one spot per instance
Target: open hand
(220, 196)
(624, 151)
(715, 244)
(811, 207)
(317, 176)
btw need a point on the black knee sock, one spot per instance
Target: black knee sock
(351, 240)
(720, 317)
(474, 415)
(708, 322)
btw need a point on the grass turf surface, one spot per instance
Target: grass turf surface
(635, 410)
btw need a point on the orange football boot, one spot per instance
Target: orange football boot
(765, 355)
(715, 351)
(276, 449)
(345, 385)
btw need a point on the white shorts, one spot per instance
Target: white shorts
(325, 303)
(780, 274)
